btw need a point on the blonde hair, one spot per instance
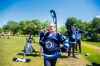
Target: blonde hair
(52, 24)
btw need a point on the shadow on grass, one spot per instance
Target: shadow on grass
(63, 56)
(34, 54)
(93, 64)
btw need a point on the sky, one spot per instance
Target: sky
(18, 10)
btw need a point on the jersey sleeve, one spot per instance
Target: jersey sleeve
(64, 41)
(41, 38)
(41, 35)
(62, 38)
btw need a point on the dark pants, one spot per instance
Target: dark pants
(71, 49)
(50, 62)
(78, 45)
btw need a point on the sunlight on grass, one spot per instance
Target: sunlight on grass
(93, 43)
(93, 55)
(10, 47)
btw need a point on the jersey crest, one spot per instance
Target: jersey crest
(50, 45)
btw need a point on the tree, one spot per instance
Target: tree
(5, 28)
(13, 27)
(0, 30)
(44, 24)
(95, 28)
(70, 21)
(96, 25)
(33, 25)
(62, 30)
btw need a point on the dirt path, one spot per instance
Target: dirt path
(70, 61)
(80, 60)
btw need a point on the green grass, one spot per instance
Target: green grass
(93, 53)
(93, 43)
(10, 47)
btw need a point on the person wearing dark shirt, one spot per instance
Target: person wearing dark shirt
(50, 43)
(72, 40)
(28, 48)
(78, 39)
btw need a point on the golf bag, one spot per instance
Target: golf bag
(28, 49)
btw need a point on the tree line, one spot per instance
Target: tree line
(23, 27)
(91, 28)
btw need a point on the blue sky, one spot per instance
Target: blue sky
(39, 9)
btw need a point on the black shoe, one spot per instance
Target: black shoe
(28, 60)
(74, 56)
(68, 54)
